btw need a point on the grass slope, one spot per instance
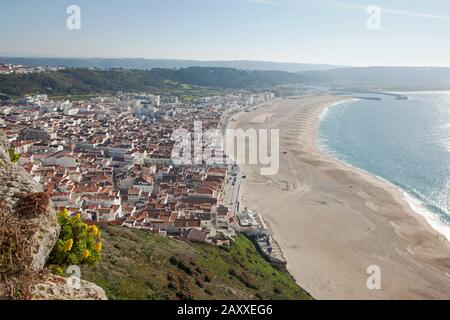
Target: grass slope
(139, 266)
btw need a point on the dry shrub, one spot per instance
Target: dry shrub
(16, 234)
(31, 205)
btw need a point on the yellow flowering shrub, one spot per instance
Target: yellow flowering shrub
(13, 155)
(78, 243)
(98, 247)
(68, 245)
(86, 254)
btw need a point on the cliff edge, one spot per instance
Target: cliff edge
(28, 232)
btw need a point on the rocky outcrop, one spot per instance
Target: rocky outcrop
(58, 288)
(30, 230)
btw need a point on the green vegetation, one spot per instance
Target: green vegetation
(78, 244)
(79, 82)
(13, 155)
(138, 265)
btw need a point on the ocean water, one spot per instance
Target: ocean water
(406, 142)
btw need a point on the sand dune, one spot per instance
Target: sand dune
(333, 222)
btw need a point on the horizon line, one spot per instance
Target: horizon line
(336, 65)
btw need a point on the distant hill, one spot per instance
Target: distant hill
(86, 81)
(147, 64)
(194, 80)
(399, 78)
(136, 265)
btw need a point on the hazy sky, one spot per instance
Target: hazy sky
(413, 32)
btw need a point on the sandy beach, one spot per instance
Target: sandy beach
(333, 222)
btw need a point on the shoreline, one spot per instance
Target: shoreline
(415, 204)
(323, 189)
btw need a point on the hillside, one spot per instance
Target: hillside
(87, 81)
(138, 265)
(194, 81)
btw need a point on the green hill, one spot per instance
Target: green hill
(137, 265)
(88, 81)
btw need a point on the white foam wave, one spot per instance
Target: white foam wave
(432, 218)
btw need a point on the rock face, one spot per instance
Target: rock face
(58, 288)
(18, 193)
(14, 181)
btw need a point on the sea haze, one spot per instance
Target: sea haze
(406, 142)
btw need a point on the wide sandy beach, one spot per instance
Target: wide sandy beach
(333, 222)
